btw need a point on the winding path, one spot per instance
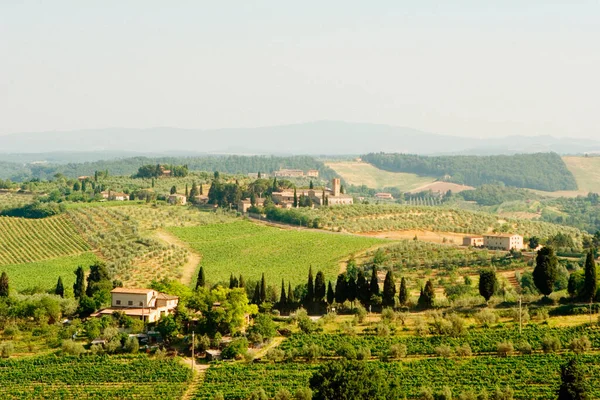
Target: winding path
(189, 268)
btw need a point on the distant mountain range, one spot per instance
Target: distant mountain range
(315, 138)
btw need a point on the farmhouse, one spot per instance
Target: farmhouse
(473, 241)
(384, 196)
(245, 204)
(177, 199)
(313, 173)
(331, 196)
(114, 196)
(145, 304)
(503, 242)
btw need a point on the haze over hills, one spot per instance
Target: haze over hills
(321, 137)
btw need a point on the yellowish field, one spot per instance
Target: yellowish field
(361, 173)
(586, 171)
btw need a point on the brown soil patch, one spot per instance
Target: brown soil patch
(442, 187)
(427, 236)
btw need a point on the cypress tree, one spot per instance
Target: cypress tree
(351, 291)
(403, 295)
(488, 283)
(241, 282)
(310, 289)
(320, 287)
(4, 285)
(282, 296)
(78, 286)
(173, 189)
(427, 296)
(572, 382)
(389, 290)
(362, 288)
(256, 297)
(330, 294)
(295, 204)
(545, 271)
(340, 289)
(233, 282)
(97, 278)
(290, 295)
(200, 281)
(274, 187)
(311, 186)
(374, 284)
(60, 289)
(263, 289)
(589, 283)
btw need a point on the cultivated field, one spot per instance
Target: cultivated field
(44, 274)
(360, 173)
(442, 187)
(29, 240)
(249, 249)
(586, 171)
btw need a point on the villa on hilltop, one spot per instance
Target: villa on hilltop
(144, 304)
(505, 241)
(331, 197)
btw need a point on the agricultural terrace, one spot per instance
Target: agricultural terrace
(249, 249)
(133, 257)
(362, 218)
(529, 376)
(361, 173)
(93, 377)
(44, 274)
(30, 240)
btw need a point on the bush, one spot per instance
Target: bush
(258, 394)
(347, 351)
(551, 344)
(426, 394)
(361, 313)
(505, 349)
(303, 394)
(72, 348)
(486, 317)
(131, 345)
(363, 353)
(525, 348)
(397, 351)
(6, 349)
(469, 395)
(445, 394)
(283, 394)
(464, 350)
(312, 352)
(236, 349)
(275, 355)
(443, 351)
(387, 314)
(580, 345)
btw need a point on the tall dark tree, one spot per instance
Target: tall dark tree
(545, 272)
(256, 297)
(274, 188)
(290, 295)
(187, 191)
(282, 296)
(320, 287)
(295, 203)
(403, 294)
(311, 186)
(427, 297)
(263, 289)
(330, 293)
(590, 284)
(534, 242)
(233, 282)
(488, 283)
(389, 290)
(60, 289)
(374, 283)
(241, 282)
(572, 382)
(362, 288)
(340, 289)
(310, 289)
(351, 291)
(79, 285)
(98, 279)
(4, 285)
(350, 380)
(173, 189)
(200, 281)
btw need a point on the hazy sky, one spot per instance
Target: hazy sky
(473, 68)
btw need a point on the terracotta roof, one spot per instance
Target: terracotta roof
(505, 235)
(166, 296)
(131, 290)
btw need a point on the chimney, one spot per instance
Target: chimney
(335, 186)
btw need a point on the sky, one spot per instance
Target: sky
(470, 68)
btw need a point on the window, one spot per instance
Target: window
(130, 302)
(118, 302)
(141, 303)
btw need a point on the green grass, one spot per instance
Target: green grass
(249, 249)
(586, 171)
(360, 173)
(45, 273)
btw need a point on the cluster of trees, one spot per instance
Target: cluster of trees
(155, 171)
(490, 195)
(582, 212)
(36, 209)
(542, 171)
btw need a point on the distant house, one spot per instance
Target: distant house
(82, 178)
(384, 196)
(313, 173)
(332, 196)
(177, 199)
(289, 173)
(114, 196)
(201, 199)
(144, 304)
(473, 241)
(503, 242)
(245, 204)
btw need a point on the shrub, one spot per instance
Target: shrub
(363, 353)
(72, 348)
(6, 349)
(235, 349)
(505, 349)
(361, 313)
(397, 351)
(303, 394)
(486, 317)
(347, 351)
(551, 344)
(312, 351)
(258, 394)
(283, 394)
(443, 351)
(388, 314)
(275, 355)
(445, 394)
(464, 350)
(469, 395)
(426, 394)
(525, 348)
(383, 329)
(580, 345)
(131, 345)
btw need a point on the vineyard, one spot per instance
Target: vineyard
(44, 274)
(30, 240)
(529, 376)
(379, 218)
(131, 257)
(92, 377)
(249, 249)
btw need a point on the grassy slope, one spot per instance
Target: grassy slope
(360, 173)
(245, 248)
(586, 171)
(45, 273)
